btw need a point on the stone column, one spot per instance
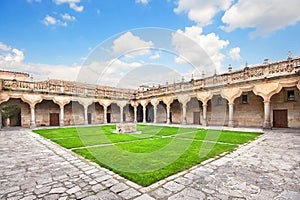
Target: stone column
(61, 116)
(184, 99)
(105, 114)
(144, 113)
(168, 113)
(135, 114)
(204, 106)
(154, 113)
(121, 114)
(184, 113)
(1, 119)
(154, 103)
(86, 115)
(267, 110)
(32, 116)
(230, 121)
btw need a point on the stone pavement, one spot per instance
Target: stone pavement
(32, 167)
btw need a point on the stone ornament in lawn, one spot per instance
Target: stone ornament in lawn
(126, 128)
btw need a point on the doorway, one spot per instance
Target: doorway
(89, 118)
(54, 119)
(280, 118)
(196, 118)
(108, 117)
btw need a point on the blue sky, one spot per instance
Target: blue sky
(56, 38)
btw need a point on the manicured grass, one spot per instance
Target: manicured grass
(151, 156)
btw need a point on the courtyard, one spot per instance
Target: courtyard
(33, 167)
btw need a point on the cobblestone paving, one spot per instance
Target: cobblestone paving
(32, 167)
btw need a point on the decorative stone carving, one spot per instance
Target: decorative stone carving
(61, 101)
(32, 99)
(184, 99)
(105, 102)
(204, 96)
(4, 97)
(168, 100)
(231, 94)
(126, 128)
(154, 102)
(267, 90)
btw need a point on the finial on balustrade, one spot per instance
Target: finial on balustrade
(266, 61)
(203, 74)
(182, 79)
(229, 68)
(289, 55)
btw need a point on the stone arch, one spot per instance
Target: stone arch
(194, 111)
(74, 113)
(217, 110)
(47, 113)
(176, 112)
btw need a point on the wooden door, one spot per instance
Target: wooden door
(196, 118)
(108, 117)
(54, 119)
(280, 118)
(89, 118)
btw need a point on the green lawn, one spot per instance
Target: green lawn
(145, 158)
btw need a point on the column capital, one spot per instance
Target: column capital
(184, 99)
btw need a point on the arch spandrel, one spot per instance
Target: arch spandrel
(204, 96)
(32, 99)
(61, 101)
(168, 100)
(4, 97)
(105, 102)
(231, 94)
(184, 99)
(267, 90)
(144, 102)
(154, 101)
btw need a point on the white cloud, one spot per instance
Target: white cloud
(131, 46)
(234, 53)
(48, 20)
(265, 16)
(202, 11)
(68, 17)
(4, 47)
(15, 56)
(155, 56)
(72, 3)
(204, 51)
(142, 1)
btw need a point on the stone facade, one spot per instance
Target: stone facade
(265, 95)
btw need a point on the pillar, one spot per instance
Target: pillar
(184, 113)
(86, 115)
(121, 114)
(32, 116)
(230, 121)
(135, 114)
(105, 114)
(267, 110)
(61, 116)
(154, 113)
(204, 114)
(168, 113)
(144, 113)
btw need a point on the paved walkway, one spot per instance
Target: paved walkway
(32, 167)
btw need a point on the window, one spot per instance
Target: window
(291, 95)
(244, 99)
(219, 100)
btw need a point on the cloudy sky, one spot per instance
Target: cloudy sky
(107, 41)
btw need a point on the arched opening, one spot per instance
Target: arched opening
(176, 112)
(285, 108)
(161, 113)
(113, 113)
(149, 113)
(248, 110)
(95, 114)
(140, 113)
(217, 111)
(128, 113)
(47, 113)
(15, 112)
(194, 111)
(74, 113)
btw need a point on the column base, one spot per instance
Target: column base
(231, 123)
(267, 125)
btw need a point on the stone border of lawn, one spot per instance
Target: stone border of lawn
(157, 184)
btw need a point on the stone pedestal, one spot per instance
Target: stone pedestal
(126, 128)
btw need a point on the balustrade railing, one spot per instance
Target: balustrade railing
(267, 70)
